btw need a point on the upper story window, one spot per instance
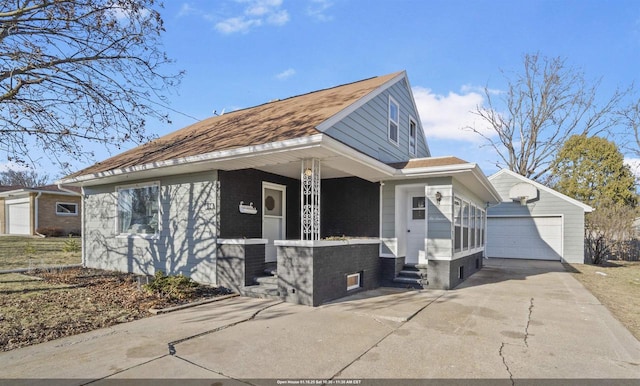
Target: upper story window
(394, 120)
(138, 209)
(413, 136)
(66, 209)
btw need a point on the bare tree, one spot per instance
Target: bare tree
(610, 233)
(74, 72)
(630, 120)
(24, 178)
(540, 109)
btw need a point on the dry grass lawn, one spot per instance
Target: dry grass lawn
(35, 252)
(617, 285)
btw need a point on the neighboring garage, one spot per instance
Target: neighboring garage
(18, 217)
(534, 222)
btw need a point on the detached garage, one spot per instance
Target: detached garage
(534, 222)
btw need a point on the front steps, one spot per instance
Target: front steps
(266, 286)
(411, 276)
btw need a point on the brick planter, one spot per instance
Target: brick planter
(314, 272)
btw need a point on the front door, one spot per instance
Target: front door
(416, 219)
(273, 217)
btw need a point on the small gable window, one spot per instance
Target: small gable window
(413, 136)
(66, 209)
(394, 119)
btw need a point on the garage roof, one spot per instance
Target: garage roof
(539, 186)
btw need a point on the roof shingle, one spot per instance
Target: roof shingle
(271, 122)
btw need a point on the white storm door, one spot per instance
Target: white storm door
(416, 219)
(274, 198)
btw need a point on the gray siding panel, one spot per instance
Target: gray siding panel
(188, 230)
(366, 128)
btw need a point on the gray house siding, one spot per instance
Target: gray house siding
(186, 243)
(439, 216)
(366, 128)
(545, 204)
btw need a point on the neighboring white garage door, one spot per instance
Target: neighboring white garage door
(524, 237)
(19, 220)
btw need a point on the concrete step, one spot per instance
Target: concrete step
(410, 274)
(261, 292)
(271, 280)
(409, 282)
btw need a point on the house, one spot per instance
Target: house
(24, 211)
(534, 221)
(329, 193)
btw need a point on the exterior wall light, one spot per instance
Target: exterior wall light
(438, 197)
(308, 172)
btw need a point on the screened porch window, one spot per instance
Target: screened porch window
(138, 209)
(457, 225)
(465, 226)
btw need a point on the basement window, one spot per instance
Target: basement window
(66, 209)
(354, 281)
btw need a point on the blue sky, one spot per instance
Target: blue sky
(241, 53)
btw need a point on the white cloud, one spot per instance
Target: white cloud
(286, 74)
(634, 165)
(237, 24)
(5, 166)
(186, 9)
(122, 14)
(278, 18)
(317, 9)
(255, 14)
(445, 116)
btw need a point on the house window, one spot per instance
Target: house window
(138, 209)
(465, 226)
(478, 227)
(353, 281)
(418, 209)
(457, 225)
(483, 227)
(413, 136)
(66, 209)
(394, 120)
(472, 227)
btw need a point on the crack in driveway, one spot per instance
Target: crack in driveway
(393, 329)
(504, 362)
(172, 348)
(526, 329)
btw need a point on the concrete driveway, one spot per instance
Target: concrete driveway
(512, 320)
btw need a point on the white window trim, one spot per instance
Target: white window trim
(117, 217)
(67, 214)
(357, 285)
(389, 121)
(413, 151)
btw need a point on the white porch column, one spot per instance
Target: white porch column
(310, 199)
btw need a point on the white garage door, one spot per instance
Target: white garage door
(19, 221)
(524, 237)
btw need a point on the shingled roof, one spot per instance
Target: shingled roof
(280, 120)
